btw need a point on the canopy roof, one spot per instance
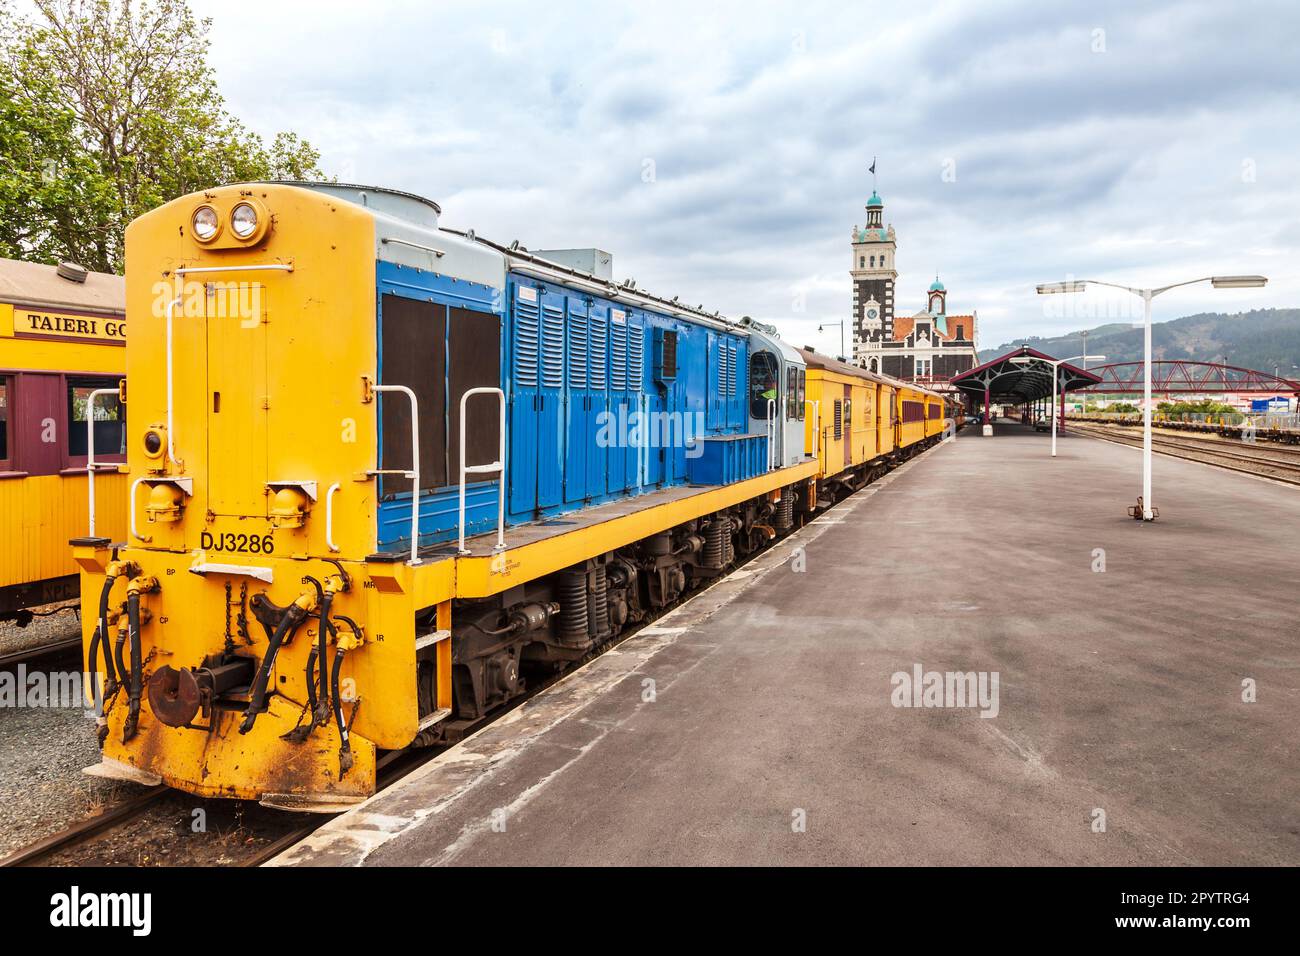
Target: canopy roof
(1008, 381)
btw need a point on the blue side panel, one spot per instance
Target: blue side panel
(598, 382)
(692, 382)
(438, 507)
(637, 453)
(729, 458)
(737, 362)
(616, 454)
(524, 397)
(550, 409)
(577, 415)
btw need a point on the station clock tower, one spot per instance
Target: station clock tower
(874, 273)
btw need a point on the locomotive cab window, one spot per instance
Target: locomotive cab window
(803, 392)
(762, 383)
(107, 414)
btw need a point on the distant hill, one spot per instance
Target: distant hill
(1261, 340)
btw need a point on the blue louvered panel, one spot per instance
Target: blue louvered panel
(598, 347)
(552, 345)
(618, 354)
(731, 368)
(524, 401)
(526, 332)
(577, 402)
(577, 345)
(635, 356)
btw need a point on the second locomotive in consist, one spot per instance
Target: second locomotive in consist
(382, 473)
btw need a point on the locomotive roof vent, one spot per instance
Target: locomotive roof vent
(72, 272)
(594, 262)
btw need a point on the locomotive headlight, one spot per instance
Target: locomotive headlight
(243, 220)
(205, 223)
(155, 440)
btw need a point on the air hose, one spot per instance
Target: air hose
(346, 758)
(288, 623)
(118, 647)
(345, 747)
(93, 663)
(101, 632)
(320, 707)
(137, 666)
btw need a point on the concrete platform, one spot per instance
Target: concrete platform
(1119, 691)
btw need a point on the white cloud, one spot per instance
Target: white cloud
(535, 123)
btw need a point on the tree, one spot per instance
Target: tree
(109, 108)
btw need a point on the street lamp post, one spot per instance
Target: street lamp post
(1056, 374)
(1219, 282)
(822, 328)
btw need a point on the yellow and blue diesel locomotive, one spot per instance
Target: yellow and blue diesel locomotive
(385, 473)
(62, 424)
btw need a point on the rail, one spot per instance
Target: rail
(329, 517)
(135, 533)
(771, 433)
(499, 465)
(90, 450)
(414, 473)
(817, 435)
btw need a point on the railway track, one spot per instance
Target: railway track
(27, 654)
(1273, 462)
(134, 812)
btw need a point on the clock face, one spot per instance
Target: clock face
(872, 313)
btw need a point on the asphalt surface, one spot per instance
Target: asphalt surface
(1121, 735)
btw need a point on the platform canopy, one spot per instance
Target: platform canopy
(1004, 380)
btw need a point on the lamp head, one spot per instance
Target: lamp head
(1051, 288)
(1238, 282)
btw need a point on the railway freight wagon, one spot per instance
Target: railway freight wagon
(62, 332)
(383, 475)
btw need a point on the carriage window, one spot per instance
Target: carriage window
(109, 419)
(762, 383)
(4, 424)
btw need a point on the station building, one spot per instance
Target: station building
(929, 347)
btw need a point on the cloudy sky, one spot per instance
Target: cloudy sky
(720, 151)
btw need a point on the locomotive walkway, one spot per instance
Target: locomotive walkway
(757, 724)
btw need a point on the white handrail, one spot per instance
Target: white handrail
(414, 473)
(817, 435)
(134, 533)
(498, 465)
(171, 431)
(264, 267)
(90, 449)
(771, 433)
(329, 517)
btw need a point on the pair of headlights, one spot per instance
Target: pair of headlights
(206, 222)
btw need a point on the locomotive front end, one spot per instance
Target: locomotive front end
(240, 633)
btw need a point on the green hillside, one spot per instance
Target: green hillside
(1262, 339)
